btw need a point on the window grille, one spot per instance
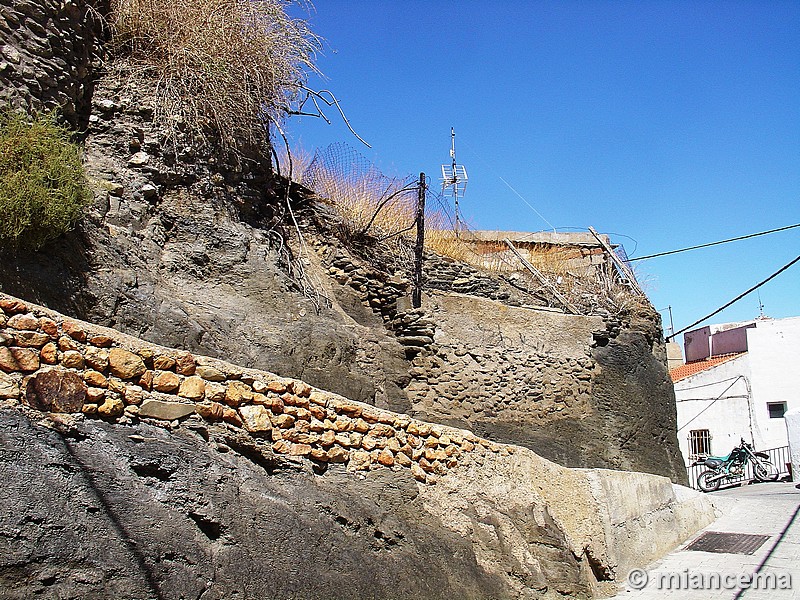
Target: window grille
(699, 443)
(776, 409)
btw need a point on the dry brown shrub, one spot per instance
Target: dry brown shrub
(441, 238)
(293, 163)
(226, 66)
(382, 211)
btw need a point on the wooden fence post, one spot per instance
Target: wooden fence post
(416, 294)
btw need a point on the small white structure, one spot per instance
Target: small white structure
(793, 430)
(739, 381)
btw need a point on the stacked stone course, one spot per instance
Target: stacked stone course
(46, 51)
(449, 275)
(55, 364)
(388, 297)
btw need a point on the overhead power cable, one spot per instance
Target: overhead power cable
(739, 297)
(712, 403)
(736, 239)
(509, 186)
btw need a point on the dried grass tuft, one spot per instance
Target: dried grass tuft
(222, 66)
(381, 209)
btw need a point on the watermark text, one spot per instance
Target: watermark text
(639, 579)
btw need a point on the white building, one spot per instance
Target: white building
(738, 381)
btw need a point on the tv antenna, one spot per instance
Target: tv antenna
(454, 179)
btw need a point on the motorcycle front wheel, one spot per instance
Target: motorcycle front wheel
(763, 470)
(704, 484)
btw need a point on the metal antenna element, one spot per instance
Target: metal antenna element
(454, 179)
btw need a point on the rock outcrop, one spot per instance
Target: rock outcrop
(188, 252)
(206, 489)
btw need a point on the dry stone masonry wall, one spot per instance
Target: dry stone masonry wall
(388, 297)
(511, 384)
(377, 290)
(54, 364)
(122, 123)
(569, 387)
(46, 56)
(449, 275)
(496, 363)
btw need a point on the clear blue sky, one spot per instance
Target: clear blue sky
(665, 124)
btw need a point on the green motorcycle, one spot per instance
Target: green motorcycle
(723, 468)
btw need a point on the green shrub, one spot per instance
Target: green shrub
(43, 186)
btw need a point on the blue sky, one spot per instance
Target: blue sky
(664, 124)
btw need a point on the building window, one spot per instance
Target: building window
(700, 442)
(776, 409)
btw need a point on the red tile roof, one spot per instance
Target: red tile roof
(697, 366)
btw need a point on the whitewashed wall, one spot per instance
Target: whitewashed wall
(793, 431)
(774, 349)
(717, 400)
(769, 372)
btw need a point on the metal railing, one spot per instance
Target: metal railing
(779, 457)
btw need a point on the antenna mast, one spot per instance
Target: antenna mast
(454, 179)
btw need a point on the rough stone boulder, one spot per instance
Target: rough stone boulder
(56, 390)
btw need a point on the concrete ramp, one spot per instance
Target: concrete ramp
(610, 521)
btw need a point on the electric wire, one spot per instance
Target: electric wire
(697, 387)
(736, 239)
(509, 186)
(714, 400)
(739, 297)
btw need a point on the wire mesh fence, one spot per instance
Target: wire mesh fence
(384, 209)
(368, 201)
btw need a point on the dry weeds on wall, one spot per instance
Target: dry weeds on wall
(373, 205)
(224, 67)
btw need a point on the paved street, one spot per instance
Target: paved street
(766, 509)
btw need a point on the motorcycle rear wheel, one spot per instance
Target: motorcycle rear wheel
(763, 470)
(704, 484)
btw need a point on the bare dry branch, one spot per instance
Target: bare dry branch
(314, 96)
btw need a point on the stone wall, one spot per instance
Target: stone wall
(477, 507)
(46, 52)
(530, 378)
(570, 387)
(387, 296)
(184, 251)
(64, 366)
(441, 273)
(498, 362)
(580, 390)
